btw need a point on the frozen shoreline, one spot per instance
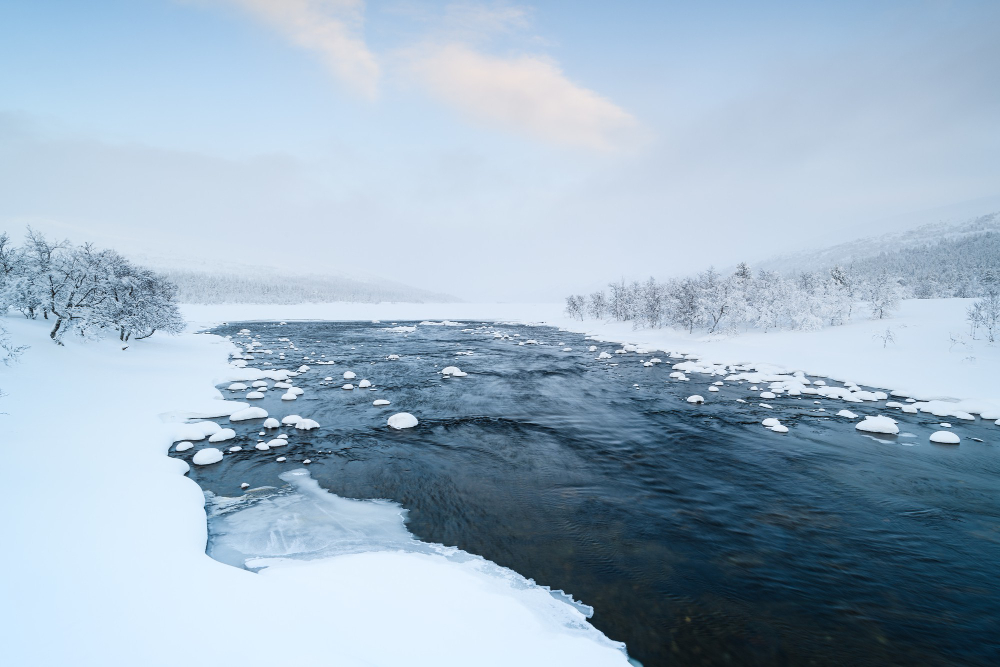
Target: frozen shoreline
(105, 561)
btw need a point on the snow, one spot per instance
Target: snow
(695, 399)
(248, 413)
(271, 422)
(254, 395)
(307, 424)
(879, 424)
(364, 384)
(288, 396)
(402, 420)
(453, 371)
(348, 375)
(945, 437)
(847, 413)
(291, 420)
(183, 446)
(380, 401)
(207, 456)
(237, 386)
(348, 387)
(222, 435)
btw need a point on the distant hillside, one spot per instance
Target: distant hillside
(929, 261)
(263, 286)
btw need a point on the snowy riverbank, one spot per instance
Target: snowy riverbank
(104, 560)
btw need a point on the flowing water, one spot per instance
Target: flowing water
(697, 535)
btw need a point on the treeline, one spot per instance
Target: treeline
(83, 290)
(948, 268)
(220, 288)
(743, 300)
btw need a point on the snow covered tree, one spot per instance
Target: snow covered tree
(597, 306)
(574, 307)
(882, 292)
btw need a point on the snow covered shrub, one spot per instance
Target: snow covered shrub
(84, 290)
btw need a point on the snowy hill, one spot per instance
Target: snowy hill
(266, 286)
(924, 236)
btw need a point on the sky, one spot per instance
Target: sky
(492, 150)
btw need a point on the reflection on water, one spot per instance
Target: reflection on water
(698, 536)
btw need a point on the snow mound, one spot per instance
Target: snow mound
(878, 424)
(695, 399)
(277, 442)
(291, 420)
(348, 375)
(183, 446)
(364, 384)
(453, 371)
(223, 435)
(262, 446)
(945, 437)
(288, 396)
(847, 413)
(402, 420)
(604, 355)
(237, 386)
(713, 389)
(207, 456)
(307, 425)
(348, 386)
(380, 401)
(248, 413)
(271, 422)
(259, 383)
(393, 357)
(767, 394)
(253, 395)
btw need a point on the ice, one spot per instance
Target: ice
(248, 413)
(945, 437)
(878, 424)
(222, 435)
(402, 420)
(207, 456)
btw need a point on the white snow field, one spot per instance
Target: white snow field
(104, 542)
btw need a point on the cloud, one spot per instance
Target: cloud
(528, 94)
(331, 28)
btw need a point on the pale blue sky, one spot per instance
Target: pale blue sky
(491, 150)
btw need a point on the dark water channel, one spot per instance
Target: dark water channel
(698, 536)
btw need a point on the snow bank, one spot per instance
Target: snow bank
(222, 435)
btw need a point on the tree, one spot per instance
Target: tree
(597, 307)
(882, 294)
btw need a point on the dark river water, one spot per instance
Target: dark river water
(697, 535)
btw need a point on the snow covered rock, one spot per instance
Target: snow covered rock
(237, 386)
(259, 383)
(847, 413)
(248, 413)
(393, 357)
(402, 420)
(262, 446)
(380, 401)
(288, 396)
(879, 424)
(183, 446)
(271, 422)
(453, 371)
(945, 437)
(204, 457)
(277, 442)
(348, 387)
(254, 395)
(348, 375)
(364, 384)
(713, 389)
(767, 394)
(604, 355)
(695, 399)
(307, 425)
(222, 435)
(291, 420)
(235, 448)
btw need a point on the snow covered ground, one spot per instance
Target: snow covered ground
(104, 558)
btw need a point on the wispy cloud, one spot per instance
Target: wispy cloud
(331, 28)
(528, 94)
